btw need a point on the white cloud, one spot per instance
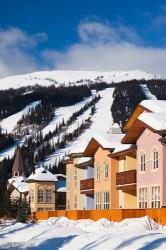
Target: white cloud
(16, 48)
(103, 47)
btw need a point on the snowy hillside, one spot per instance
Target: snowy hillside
(46, 78)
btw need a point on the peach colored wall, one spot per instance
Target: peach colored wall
(147, 141)
(108, 184)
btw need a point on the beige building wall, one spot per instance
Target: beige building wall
(74, 200)
(41, 206)
(127, 199)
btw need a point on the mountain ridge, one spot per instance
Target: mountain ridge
(69, 78)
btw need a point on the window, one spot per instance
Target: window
(48, 209)
(106, 169)
(68, 204)
(75, 201)
(106, 200)
(31, 195)
(68, 179)
(40, 195)
(143, 197)
(142, 161)
(155, 159)
(48, 195)
(155, 197)
(97, 172)
(98, 201)
(40, 209)
(75, 176)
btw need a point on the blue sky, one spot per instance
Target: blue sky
(82, 35)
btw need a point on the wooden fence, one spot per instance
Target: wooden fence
(158, 214)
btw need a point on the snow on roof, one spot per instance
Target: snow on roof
(156, 121)
(84, 160)
(19, 183)
(61, 189)
(158, 106)
(42, 174)
(121, 147)
(109, 141)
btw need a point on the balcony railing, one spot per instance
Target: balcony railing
(126, 180)
(87, 186)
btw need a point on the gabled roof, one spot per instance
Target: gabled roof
(84, 162)
(148, 106)
(156, 122)
(19, 183)
(108, 143)
(42, 174)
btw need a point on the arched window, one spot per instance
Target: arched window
(40, 195)
(16, 174)
(142, 161)
(48, 194)
(97, 172)
(106, 169)
(155, 158)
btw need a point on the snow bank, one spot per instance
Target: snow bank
(64, 234)
(145, 223)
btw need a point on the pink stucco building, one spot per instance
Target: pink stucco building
(147, 129)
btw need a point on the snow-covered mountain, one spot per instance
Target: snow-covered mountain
(100, 121)
(46, 78)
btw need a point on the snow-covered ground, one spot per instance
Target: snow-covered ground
(46, 78)
(64, 234)
(8, 124)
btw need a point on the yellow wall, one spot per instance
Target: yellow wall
(35, 206)
(127, 199)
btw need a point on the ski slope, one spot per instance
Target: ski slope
(8, 124)
(64, 113)
(101, 125)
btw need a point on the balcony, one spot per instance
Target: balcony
(87, 186)
(126, 180)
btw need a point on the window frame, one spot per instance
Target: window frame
(143, 197)
(155, 197)
(50, 196)
(106, 169)
(155, 159)
(142, 161)
(38, 199)
(106, 200)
